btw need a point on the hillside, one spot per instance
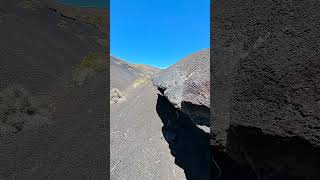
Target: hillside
(52, 94)
(122, 74)
(145, 142)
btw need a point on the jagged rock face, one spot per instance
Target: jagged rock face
(187, 85)
(266, 91)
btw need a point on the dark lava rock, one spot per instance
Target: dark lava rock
(20, 110)
(266, 86)
(187, 85)
(188, 144)
(183, 105)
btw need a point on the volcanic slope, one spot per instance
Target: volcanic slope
(142, 145)
(122, 74)
(53, 102)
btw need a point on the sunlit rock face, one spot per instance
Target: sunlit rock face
(186, 85)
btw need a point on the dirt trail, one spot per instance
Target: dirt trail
(142, 147)
(138, 148)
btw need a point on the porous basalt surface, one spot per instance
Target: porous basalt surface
(186, 85)
(266, 92)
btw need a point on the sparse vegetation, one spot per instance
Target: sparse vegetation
(144, 70)
(141, 81)
(91, 61)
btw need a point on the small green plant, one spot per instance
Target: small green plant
(141, 81)
(90, 64)
(91, 61)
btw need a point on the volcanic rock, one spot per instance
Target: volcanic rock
(186, 84)
(116, 96)
(20, 110)
(266, 74)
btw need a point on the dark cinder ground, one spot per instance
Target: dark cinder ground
(142, 144)
(138, 148)
(38, 50)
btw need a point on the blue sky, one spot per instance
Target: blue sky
(158, 33)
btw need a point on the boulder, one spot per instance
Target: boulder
(116, 96)
(266, 86)
(186, 85)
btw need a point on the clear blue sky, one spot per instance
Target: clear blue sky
(158, 32)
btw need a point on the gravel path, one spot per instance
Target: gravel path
(138, 148)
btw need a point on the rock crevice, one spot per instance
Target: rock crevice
(187, 86)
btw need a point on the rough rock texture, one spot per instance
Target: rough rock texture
(187, 85)
(40, 55)
(150, 138)
(116, 96)
(19, 110)
(184, 103)
(266, 91)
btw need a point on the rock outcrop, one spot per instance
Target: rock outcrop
(266, 86)
(186, 85)
(21, 111)
(116, 96)
(183, 105)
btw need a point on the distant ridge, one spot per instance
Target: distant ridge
(123, 73)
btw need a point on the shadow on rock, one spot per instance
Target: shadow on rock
(199, 114)
(188, 144)
(274, 157)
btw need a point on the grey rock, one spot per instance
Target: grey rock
(3, 110)
(17, 119)
(44, 111)
(37, 102)
(187, 83)
(116, 96)
(14, 98)
(36, 121)
(20, 110)
(204, 129)
(6, 129)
